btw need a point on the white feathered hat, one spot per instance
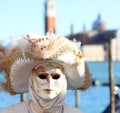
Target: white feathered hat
(28, 51)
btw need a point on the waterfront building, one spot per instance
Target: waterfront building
(95, 42)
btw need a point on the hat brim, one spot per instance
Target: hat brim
(21, 70)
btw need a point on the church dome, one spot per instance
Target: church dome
(99, 24)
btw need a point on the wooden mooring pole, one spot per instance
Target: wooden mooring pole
(77, 96)
(22, 97)
(111, 79)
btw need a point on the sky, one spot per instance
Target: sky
(25, 16)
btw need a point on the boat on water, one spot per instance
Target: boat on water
(117, 103)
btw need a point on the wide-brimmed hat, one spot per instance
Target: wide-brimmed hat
(26, 52)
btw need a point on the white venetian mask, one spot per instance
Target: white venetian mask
(48, 81)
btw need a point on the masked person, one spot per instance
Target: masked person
(44, 66)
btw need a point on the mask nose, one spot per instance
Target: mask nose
(48, 78)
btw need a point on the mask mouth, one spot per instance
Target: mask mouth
(48, 90)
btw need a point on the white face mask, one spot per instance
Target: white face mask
(48, 82)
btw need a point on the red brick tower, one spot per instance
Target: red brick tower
(49, 15)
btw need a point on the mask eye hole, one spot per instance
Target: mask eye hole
(42, 76)
(55, 76)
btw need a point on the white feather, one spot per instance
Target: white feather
(67, 57)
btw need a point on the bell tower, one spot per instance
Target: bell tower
(49, 15)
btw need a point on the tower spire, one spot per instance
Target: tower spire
(49, 15)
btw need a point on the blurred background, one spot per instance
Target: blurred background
(92, 23)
